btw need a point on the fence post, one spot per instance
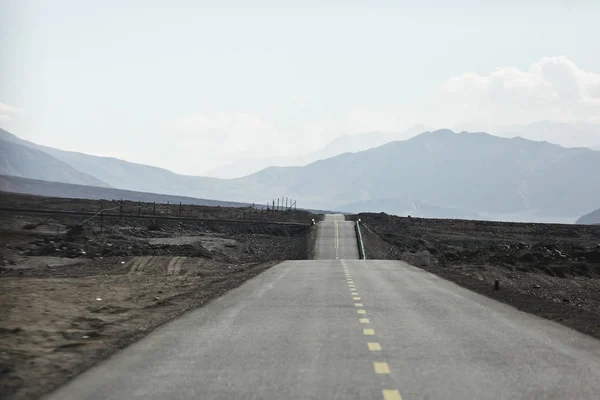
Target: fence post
(101, 215)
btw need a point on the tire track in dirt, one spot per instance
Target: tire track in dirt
(174, 267)
(140, 263)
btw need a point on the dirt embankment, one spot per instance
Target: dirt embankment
(551, 270)
(70, 296)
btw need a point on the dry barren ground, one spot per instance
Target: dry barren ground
(551, 270)
(70, 297)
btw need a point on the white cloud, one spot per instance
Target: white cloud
(6, 109)
(552, 88)
(8, 113)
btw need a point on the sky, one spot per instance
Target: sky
(189, 85)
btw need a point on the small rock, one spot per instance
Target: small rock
(566, 301)
(98, 298)
(536, 286)
(423, 259)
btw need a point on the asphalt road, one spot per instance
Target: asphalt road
(349, 329)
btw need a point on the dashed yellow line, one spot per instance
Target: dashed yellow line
(391, 395)
(374, 346)
(381, 367)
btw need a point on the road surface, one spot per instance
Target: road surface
(342, 328)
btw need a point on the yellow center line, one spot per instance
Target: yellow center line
(356, 298)
(362, 312)
(381, 367)
(374, 346)
(358, 304)
(389, 394)
(368, 332)
(364, 320)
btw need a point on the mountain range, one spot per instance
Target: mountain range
(564, 134)
(434, 174)
(572, 134)
(341, 144)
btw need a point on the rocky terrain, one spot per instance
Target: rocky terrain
(551, 270)
(72, 293)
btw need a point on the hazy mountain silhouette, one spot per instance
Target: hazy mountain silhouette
(125, 175)
(22, 161)
(470, 172)
(438, 174)
(339, 145)
(57, 189)
(590, 218)
(576, 134)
